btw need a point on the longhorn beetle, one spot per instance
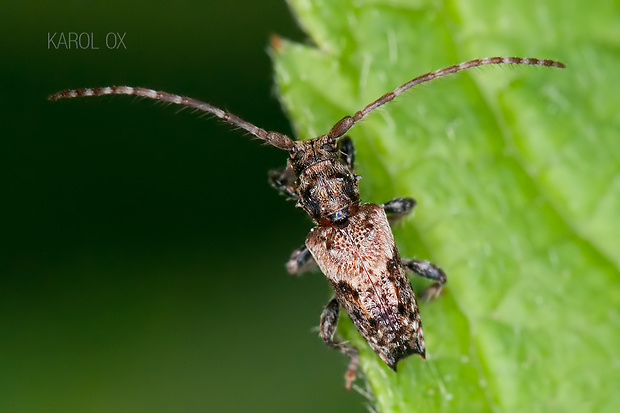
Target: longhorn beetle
(352, 242)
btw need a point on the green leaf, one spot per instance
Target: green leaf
(517, 175)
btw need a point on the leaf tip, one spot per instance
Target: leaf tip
(275, 43)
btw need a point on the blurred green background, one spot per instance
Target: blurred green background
(142, 256)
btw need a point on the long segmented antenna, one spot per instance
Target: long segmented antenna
(282, 141)
(273, 138)
(346, 123)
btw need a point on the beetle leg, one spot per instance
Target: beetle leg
(347, 151)
(329, 322)
(284, 181)
(430, 271)
(399, 206)
(301, 261)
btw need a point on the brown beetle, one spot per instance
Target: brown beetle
(352, 243)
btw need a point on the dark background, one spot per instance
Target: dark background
(142, 257)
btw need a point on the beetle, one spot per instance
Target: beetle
(352, 242)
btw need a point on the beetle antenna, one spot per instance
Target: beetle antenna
(346, 123)
(273, 138)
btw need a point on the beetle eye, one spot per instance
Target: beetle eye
(295, 153)
(330, 145)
